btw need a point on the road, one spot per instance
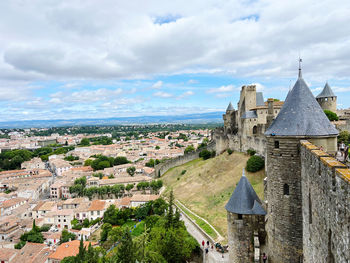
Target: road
(213, 256)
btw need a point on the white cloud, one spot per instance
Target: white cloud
(192, 81)
(185, 94)
(228, 88)
(163, 94)
(157, 85)
(105, 40)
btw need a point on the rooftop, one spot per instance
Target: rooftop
(301, 115)
(69, 249)
(244, 199)
(326, 92)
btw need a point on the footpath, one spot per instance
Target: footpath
(212, 256)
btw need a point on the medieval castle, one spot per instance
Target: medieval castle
(305, 216)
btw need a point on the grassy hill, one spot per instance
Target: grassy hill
(206, 186)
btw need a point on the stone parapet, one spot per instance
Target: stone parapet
(326, 206)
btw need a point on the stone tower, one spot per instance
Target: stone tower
(229, 119)
(327, 99)
(245, 216)
(301, 117)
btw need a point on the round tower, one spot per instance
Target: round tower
(245, 216)
(327, 99)
(301, 117)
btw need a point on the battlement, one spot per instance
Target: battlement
(340, 169)
(326, 209)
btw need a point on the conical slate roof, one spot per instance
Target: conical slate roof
(244, 199)
(260, 99)
(301, 115)
(326, 92)
(230, 107)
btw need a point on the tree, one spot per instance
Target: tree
(255, 163)
(129, 187)
(88, 162)
(106, 227)
(126, 252)
(189, 149)
(157, 147)
(85, 142)
(344, 136)
(120, 160)
(66, 236)
(332, 116)
(205, 154)
(131, 170)
(150, 163)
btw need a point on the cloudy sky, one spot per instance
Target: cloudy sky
(96, 59)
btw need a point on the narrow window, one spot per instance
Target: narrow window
(286, 189)
(277, 144)
(240, 216)
(330, 257)
(310, 209)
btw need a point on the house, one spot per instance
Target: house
(62, 218)
(67, 249)
(8, 205)
(33, 253)
(56, 189)
(137, 200)
(8, 226)
(52, 238)
(7, 255)
(35, 163)
(97, 209)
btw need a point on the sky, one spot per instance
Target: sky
(109, 58)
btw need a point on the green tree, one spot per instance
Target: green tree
(205, 154)
(66, 236)
(131, 170)
(332, 116)
(255, 163)
(120, 160)
(106, 227)
(126, 253)
(344, 136)
(189, 149)
(88, 162)
(150, 163)
(85, 142)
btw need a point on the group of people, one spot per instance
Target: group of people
(344, 150)
(206, 247)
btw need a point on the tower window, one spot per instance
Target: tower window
(286, 189)
(277, 144)
(240, 216)
(255, 130)
(310, 209)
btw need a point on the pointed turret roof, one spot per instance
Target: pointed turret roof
(230, 107)
(326, 92)
(301, 115)
(244, 199)
(260, 99)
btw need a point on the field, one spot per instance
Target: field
(205, 186)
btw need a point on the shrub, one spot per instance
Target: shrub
(205, 154)
(229, 151)
(332, 116)
(183, 172)
(251, 152)
(255, 163)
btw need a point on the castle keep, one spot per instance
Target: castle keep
(307, 194)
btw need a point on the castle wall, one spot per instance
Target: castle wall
(161, 168)
(284, 220)
(241, 236)
(326, 207)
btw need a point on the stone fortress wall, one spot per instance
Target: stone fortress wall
(326, 206)
(161, 168)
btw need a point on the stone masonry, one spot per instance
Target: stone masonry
(326, 207)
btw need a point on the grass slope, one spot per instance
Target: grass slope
(207, 185)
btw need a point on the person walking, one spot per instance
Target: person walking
(264, 257)
(342, 148)
(203, 243)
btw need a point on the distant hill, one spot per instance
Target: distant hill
(210, 117)
(207, 185)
